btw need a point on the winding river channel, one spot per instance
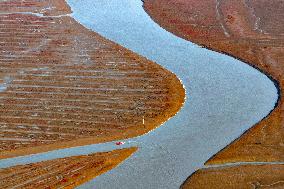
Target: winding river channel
(225, 97)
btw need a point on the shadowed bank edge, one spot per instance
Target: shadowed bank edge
(66, 86)
(253, 33)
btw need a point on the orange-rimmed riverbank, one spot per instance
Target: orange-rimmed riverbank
(63, 85)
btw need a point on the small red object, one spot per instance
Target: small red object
(119, 143)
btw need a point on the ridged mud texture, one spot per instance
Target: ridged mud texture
(62, 173)
(44, 7)
(62, 85)
(250, 30)
(238, 177)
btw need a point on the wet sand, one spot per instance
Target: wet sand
(64, 172)
(63, 85)
(253, 32)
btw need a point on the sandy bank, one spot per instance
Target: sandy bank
(264, 176)
(67, 86)
(62, 173)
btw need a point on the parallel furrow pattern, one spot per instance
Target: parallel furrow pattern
(61, 173)
(61, 82)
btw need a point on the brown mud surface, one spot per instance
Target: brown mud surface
(62, 85)
(62, 173)
(239, 177)
(45, 7)
(252, 31)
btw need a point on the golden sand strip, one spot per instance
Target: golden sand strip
(62, 173)
(251, 30)
(238, 177)
(62, 85)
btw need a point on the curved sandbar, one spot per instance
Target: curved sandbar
(65, 173)
(62, 85)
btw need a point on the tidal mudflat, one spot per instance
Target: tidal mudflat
(63, 85)
(66, 172)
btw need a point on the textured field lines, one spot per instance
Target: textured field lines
(252, 31)
(45, 7)
(62, 173)
(62, 85)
